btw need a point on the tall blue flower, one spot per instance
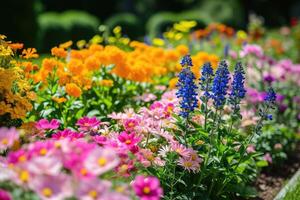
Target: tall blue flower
(187, 88)
(207, 75)
(270, 97)
(238, 91)
(220, 85)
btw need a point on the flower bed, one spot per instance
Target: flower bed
(193, 115)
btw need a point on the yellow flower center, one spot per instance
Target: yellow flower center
(22, 158)
(83, 171)
(24, 176)
(146, 190)
(128, 142)
(93, 194)
(102, 161)
(47, 192)
(4, 141)
(43, 151)
(188, 164)
(130, 124)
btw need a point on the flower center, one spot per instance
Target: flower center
(47, 192)
(86, 124)
(43, 151)
(24, 176)
(93, 194)
(131, 124)
(188, 164)
(83, 171)
(128, 142)
(22, 158)
(102, 161)
(146, 190)
(4, 141)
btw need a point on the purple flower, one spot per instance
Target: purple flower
(269, 78)
(147, 188)
(44, 124)
(87, 124)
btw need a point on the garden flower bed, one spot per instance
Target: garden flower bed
(209, 113)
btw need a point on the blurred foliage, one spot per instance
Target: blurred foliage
(209, 11)
(55, 28)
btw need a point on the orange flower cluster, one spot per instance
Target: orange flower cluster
(15, 94)
(214, 27)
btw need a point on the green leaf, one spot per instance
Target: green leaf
(262, 163)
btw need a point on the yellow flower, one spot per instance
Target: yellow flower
(158, 42)
(173, 82)
(96, 39)
(117, 30)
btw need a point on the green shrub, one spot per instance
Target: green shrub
(55, 28)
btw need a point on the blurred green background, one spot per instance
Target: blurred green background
(45, 23)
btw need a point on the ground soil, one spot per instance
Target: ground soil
(270, 181)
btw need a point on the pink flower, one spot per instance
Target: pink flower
(252, 49)
(189, 164)
(129, 139)
(48, 165)
(100, 139)
(268, 157)
(41, 148)
(147, 188)
(92, 189)
(7, 137)
(87, 124)
(180, 149)
(147, 97)
(4, 195)
(125, 167)
(250, 149)
(44, 124)
(130, 124)
(101, 160)
(52, 187)
(67, 133)
(114, 196)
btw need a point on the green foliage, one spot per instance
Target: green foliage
(55, 28)
(207, 12)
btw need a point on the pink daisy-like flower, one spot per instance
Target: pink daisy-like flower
(125, 167)
(147, 188)
(129, 139)
(44, 124)
(87, 124)
(4, 195)
(189, 164)
(7, 137)
(41, 148)
(91, 189)
(180, 149)
(67, 133)
(100, 139)
(130, 124)
(250, 148)
(101, 160)
(48, 165)
(52, 187)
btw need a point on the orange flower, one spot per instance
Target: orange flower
(66, 45)
(107, 82)
(173, 82)
(16, 46)
(59, 52)
(29, 53)
(59, 99)
(73, 90)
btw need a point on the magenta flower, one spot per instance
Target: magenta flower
(251, 49)
(147, 188)
(7, 137)
(67, 133)
(4, 195)
(128, 139)
(130, 124)
(101, 160)
(44, 124)
(87, 124)
(100, 139)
